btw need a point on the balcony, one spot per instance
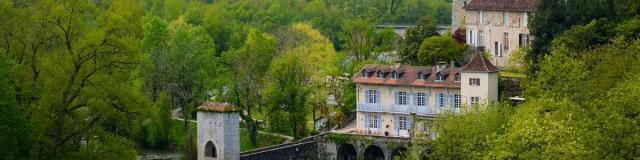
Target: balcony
(402, 109)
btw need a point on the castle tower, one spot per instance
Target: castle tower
(218, 132)
(457, 13)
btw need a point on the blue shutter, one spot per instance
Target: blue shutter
(451, 99)
(396, 123)
(366, 120)
(366, 96)
(396, 98)
(437, 106)
(379, 121)
(378, 95)
(426, 100)
(409, 123)
(415, 98)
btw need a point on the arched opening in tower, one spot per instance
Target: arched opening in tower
(346, 151)
(210, 150)
(373, 153)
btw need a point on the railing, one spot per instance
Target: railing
(406, 109)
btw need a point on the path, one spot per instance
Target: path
(175, 114)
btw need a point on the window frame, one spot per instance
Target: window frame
(457, 101)
(458, 77)
(440, 77)
(403, 96)
(403, 123)
(443, 100)
(373, 121)
(373, 96)
(474, 81)
(421, 98)
(474, 101)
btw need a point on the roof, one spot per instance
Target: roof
(503, 5)
(479, 64)
(217, 107)
(409, 77)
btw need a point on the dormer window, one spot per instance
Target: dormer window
(394, 75)
(422, 76)
(365, 73)
(458, 77)
(380, 74)
(440, 77)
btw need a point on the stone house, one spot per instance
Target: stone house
(498, 26)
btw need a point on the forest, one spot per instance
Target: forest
(101, 79)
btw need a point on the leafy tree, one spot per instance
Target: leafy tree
(440, 49)
(17, 138)
(408, 50)
(250, 64)
(360, 38)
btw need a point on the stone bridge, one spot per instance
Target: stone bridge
(333, 146)
(337, 146)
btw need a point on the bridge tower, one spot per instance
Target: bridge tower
(218, 132)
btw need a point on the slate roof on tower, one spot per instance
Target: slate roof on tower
(503, 5)
(479, 64)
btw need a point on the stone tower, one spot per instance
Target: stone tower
(457, 13)
(218, 132)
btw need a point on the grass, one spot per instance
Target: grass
(264, 140)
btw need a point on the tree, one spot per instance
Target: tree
(440, 49)
(408, 50)
(360, 38)
(16, 136)
(288, 90)
(250, 64)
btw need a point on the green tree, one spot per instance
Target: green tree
(17, 138)
(440, 49)
(409, 47)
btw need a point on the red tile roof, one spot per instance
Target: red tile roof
(479, 64)
(503, 5)
(408, 76)
(217, 107)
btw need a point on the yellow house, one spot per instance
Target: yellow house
(389, 95)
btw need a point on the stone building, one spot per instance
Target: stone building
(497, 26)
(388, 96)
(457, 13)
(218, 132)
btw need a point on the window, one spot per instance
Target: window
(422, 76)
(456, 101)
(474, 100)
(421, 99)
(372, 96)
(402, 123)
(443, 100)
(401, 98)
(474, 81)
(525, 18)
(365, 73)
(481, 17)
(380, 74)
(480, 38)
(458, 77)
(373, 120)
(470, 40)
(440, 77)
(505, 41)
(394, 75)
(498, 49)
(523, 40)
(505, 17)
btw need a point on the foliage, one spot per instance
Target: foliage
(16, 135)
(409, 47)
(440, 49)
(460, 35)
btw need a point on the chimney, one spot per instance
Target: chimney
(440, 66)
(398, 64)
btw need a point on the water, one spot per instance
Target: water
(154, 154)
